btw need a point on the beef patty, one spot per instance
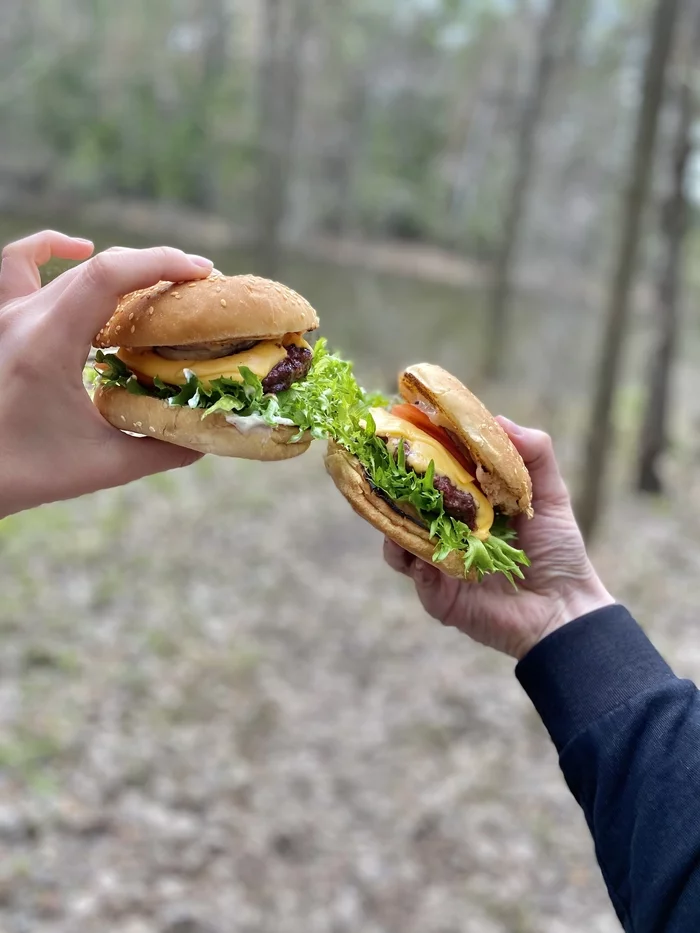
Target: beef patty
(458, 504)
(291, 369)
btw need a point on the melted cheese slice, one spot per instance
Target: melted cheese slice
(260, 359)
(422, 448)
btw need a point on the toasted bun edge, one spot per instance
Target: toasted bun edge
(501, 471)
(143, 414)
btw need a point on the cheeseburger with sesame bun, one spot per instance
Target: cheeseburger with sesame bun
(219, 365)
(437, 474)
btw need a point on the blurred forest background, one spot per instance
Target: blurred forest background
(507, 187)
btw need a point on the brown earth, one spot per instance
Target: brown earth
(220, 712)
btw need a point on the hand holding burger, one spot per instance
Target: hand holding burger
(559, 586)
(53, 442)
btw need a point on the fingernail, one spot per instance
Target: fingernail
(424, 572)
(81, 239)
(511, 427)
(201, 261)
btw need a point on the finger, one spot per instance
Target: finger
(398, 559)
(92, 296)
(55, 288)
(19, 274)
(131, 458)
(427, 580)
(535, 447)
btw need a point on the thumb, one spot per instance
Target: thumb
(19, 272)
(131, 458)
(535, 447)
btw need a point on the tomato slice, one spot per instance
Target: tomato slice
(419, 419)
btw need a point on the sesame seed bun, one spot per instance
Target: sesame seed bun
(143, 414)
(209, 310)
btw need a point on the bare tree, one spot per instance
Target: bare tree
(515, 206)
(600, 430)
(674, 223)
(285, 26)
(343, 164)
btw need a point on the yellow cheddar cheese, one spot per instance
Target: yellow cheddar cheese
(260, 360)
(422, 449)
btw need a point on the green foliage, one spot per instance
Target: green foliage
(405, 121)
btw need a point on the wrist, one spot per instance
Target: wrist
(584, 600)
(578, 598)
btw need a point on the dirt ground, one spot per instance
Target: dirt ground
(220, 713)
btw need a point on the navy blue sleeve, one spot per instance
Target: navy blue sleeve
(628, 735)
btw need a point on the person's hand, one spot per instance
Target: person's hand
(560, 586)
(54, 444)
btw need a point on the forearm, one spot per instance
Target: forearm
(628, 734)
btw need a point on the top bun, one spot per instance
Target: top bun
(214, 309)
(500, 469)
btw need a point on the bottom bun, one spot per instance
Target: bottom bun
(176, 424)
(348, 475)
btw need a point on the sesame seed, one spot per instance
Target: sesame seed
(152, 430)
(150, 310)
(131, 316)
(176, 294)
(133, 328)
(192, 285)
(218, 288)
(223, 302)
(119, 327)
(138, 424)
(122, 417)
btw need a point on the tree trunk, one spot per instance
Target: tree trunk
(489, 112)
(674, 221)
(496, 331)
(207, 184)
(280, 86)
(343, 166)
(269, 209)
(600, 429)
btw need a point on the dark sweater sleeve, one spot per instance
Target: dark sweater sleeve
(628, 735)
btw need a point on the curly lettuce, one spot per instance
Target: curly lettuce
(330, 403)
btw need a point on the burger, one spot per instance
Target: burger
(437, 474)
(220, 365)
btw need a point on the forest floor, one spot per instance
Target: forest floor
(221, 713)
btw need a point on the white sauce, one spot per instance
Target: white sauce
(252, 422)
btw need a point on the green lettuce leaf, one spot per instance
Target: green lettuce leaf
(330, 403)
